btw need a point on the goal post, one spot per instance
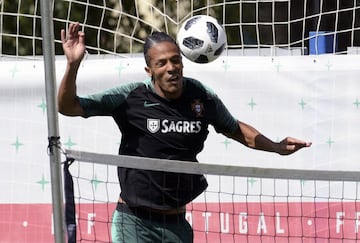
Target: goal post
(52, 121)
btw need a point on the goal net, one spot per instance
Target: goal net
(241, 204)
(308, 95)
(264, 27)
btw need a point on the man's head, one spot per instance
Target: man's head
(164, 64)
(153, 39)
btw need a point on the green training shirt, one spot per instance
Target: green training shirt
(152, 126)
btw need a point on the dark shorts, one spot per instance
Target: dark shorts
(135, 225)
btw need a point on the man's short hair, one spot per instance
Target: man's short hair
(155, 38)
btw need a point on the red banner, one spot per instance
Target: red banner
(212, 222)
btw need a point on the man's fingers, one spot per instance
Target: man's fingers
(73, 27)
(81, 37)
(63, 36)
(291, 145)
(294, 141)
(71, 33)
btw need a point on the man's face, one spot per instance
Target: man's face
(166, 69)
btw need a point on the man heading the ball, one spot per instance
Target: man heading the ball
(167, 117)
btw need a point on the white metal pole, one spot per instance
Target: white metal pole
(52, 120)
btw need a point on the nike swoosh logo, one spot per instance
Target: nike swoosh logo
(146, 104)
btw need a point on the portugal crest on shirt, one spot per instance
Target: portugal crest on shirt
(153, 125)
(198, 107)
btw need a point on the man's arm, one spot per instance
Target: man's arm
(252, 138)
(74, 49)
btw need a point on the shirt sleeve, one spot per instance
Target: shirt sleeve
(223, 121)
(220, 117)
(104, 103)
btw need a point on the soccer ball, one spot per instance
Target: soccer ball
(201, 39)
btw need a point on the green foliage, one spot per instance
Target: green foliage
(116, 27)
(120, 26)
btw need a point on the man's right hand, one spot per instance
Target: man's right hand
(74, 50)
(73, 43)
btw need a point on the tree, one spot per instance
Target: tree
(120, 26)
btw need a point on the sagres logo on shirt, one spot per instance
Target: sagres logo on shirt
(168, 126)
(153, 125)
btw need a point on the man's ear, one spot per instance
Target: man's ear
(148, 71)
